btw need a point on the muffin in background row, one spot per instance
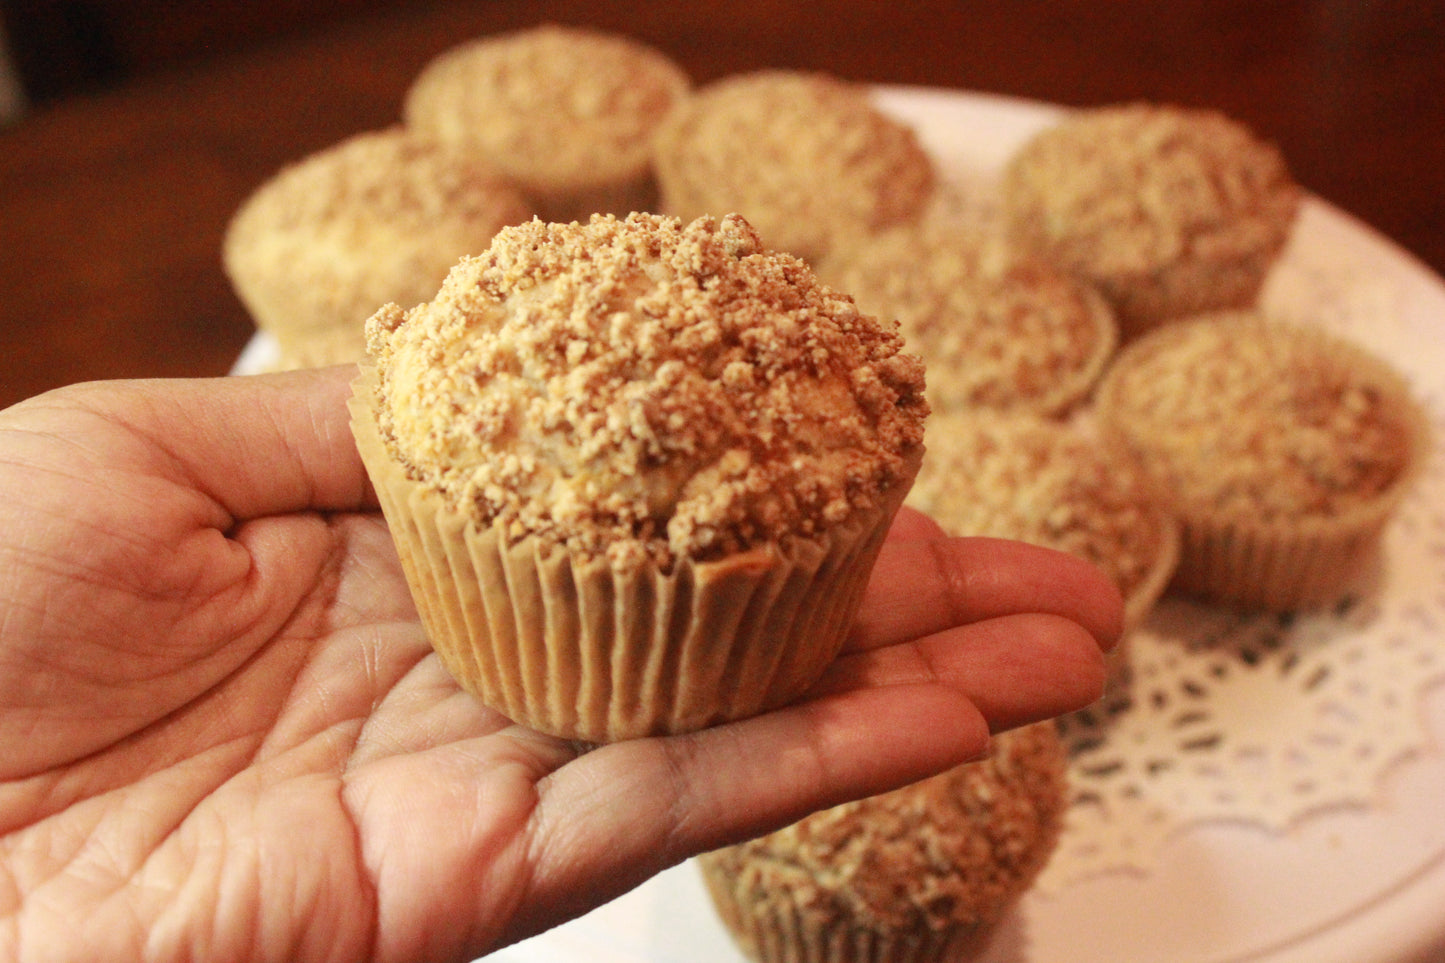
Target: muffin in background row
(1282, 450)
(637, 470)
(1022, 477)
(805, 156)
(1169, 211)
(997, 327)
(381, 216)
(568, 114)
(909, 876)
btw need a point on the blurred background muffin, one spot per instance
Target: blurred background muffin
(380, 217)
(997, 327)
(1023, 477)
(1169, 211)
(909, 876)
(567, 114)
(805, 156)
(1282, 450)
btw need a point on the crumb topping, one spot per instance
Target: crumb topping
(956, 849)
(996, 327)
(646, 389)
(378, 217)
(1127, 190)
(549, 105)
(384, 179)
(1041, 482)
(1262, 420)
(804, 156)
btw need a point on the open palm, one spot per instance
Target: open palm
(223, 734)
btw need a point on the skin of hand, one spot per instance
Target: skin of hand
(223, 734)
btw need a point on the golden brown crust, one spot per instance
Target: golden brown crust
(646, 389)
(805, 156)
(996, 326)
(563, 111)
(1170, 211)
(952, 851)
(378, 217)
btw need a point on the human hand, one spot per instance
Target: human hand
(223, 734)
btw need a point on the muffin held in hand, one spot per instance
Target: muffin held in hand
(377, 218)
(1051, 484)
(909, 876)
(637, 470)
(1169, 211)
(568, 114)
(806, 157)
(1282, 450)
(997, 327)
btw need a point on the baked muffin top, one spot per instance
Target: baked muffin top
(1260, 420)
(552, 107)
(1128, 189)
(1044, 482)
(381, 216)
(997, 326)
(646, 389)
(806, 157)
(955, 849)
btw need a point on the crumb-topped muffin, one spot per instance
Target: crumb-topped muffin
(670, 455)
(377, 218)
(1023, 477)
(904, 877)
(997, 327)
(567, 113)
(1169, 211)
(806, 157)
(1282, 449)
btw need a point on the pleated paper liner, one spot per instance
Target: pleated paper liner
(568, 646)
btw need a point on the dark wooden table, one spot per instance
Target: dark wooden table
(113, 203)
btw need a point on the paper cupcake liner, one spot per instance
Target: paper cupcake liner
(1146, 302)
(574, 649)
(782, 932)
(1274, 569)
(1141, 598)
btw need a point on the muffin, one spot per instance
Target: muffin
(997, 327)
(380, 217)
(1025, 478)
(806, 157)
(1169, 211)
(1282, 450)
(637, 470)
(905, 877)
(568, 114)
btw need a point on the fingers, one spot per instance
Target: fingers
(884, 716)
(1015, 669)
(923, 585)
(912, 524)
(650, 803)
(258, 445)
